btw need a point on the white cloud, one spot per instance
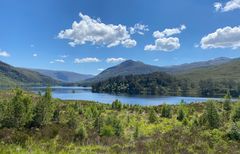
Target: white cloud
(156, 59)
(164, 44)
(169, 32)
(35, 55)
(129, 43)
(227, 37)
(86, 60)
(100, 69)
(93, 31)
(138, 28)
(60, 60)
(64, 56)
(4, 53)
(229, 6)
(57, 61)
(115, 60)
(163, 40)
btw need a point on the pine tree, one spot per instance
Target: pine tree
(152, 116)
(81, 133)
(236, 114)
(136, 132)
(181, 114)
(212, 115)
(227, 102)
(166, 111)
(43, 112)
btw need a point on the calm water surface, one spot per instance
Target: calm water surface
(81, 93)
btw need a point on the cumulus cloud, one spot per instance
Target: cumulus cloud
(115, 60)
(164, 40)
(86, 60)
(93, 31)
(227, 37)
(229, 6)
(138, 28)
(4, 53)
(156, 59)
(35, 55)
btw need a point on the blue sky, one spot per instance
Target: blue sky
(185, 31)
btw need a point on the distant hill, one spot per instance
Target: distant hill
(10, 76)
(226, 71)
(128, 67)
(64, 76)
(176, 69)
(131, 67)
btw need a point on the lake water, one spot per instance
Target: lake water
(81, 93)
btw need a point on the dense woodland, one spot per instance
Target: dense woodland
(31, 123)
(167, 85)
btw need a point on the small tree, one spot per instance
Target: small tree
(181, 114)
(236, 114)
(234, 133)
(81, 133)
(166, 111)
(107, 131)
(152, 116)
(117, 105)
(136, 132)
(18, 111)
(212, 115)
(43, 112)
(227, 102)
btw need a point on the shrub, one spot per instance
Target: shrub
(234, 133)
(166, 111)
(212, 115)
(152, 116)
(81, 133)
(107, 131)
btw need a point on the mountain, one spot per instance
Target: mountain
(64, 76)
(225, 71)
(128, 67)
(12, 76)
(178, 69)
(131, 67)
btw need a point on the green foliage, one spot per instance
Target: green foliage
(227, 102)
(136, 132)
(89, 127)
(43, 112)
(236, 114)
(212, 115)
(81, 133)
(166, 111)
(234, 133)
(117, 105)
(152, 116)
(181, 114)
(18, 112)
(107, 131)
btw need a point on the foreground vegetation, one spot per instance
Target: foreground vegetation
(32, 123)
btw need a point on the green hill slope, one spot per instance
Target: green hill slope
(18, 76)
(226, 71)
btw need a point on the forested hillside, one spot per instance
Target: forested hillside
(167, 85)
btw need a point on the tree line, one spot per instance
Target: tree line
(166, 85)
